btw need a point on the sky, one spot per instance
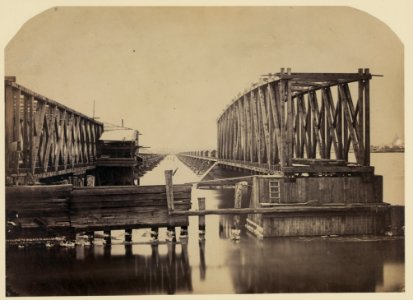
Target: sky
(170, 71)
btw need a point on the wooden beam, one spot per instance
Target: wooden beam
(281, 100)
(367, 119)
(257, 136)
(265, 125)
(284, 209)
(323, 76)
(16, 130)
(169, 191)
(9, 120)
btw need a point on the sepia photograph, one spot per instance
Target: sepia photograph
(203, 150)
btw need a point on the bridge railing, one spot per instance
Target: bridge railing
(43, 137)
(290, 116)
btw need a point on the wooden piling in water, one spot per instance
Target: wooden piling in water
(107, 237)
(240, 189)
(128, 235)
(202, 265)
(154, 236)
(184, 232)
(201, 224)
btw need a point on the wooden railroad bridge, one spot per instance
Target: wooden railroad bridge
(307, 136)
(50, 142)
(295, 133)
(45, 138)
(295, 123)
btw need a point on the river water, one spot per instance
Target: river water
(218, 265)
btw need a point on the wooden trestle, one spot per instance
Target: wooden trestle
(298, 129)
(295, 118)
(44, 138)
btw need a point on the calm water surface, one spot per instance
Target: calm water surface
(218, 265)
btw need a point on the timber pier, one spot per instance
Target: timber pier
(291, 133)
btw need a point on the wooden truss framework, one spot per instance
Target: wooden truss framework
(293, 118)
(45, 138)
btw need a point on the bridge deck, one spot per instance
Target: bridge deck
(312, 167)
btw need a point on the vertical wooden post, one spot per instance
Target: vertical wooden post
(90, 235)
(202, 265)
(128, 236)
(154, 235)
(289, 140)
(360, 105)
(345, 124)
(172, 269)
(240, 189)
(169, 191)
(90, 180)
(281, 97)
(107, 237)
(170, 233)
(184, 232)
(25, 140)
(17, 140)
(31, 134)
(367, 119)
(201, 224)
(9, 115)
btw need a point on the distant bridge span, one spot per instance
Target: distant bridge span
(298, 122)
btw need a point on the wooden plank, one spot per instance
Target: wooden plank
(241, 117)
(301, 110)
(9, 121)
(360, 105)
(31, 134)
(323, 76)
(113, 190)
(16, 130)
(265, 126)
(283, 149)
(44, 191)
(286, 209)
(257, 135)
(250, 126)
(25, 140)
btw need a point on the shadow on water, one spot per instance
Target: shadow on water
(216, 265)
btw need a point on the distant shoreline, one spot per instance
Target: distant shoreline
(388, 151)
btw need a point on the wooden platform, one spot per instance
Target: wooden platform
(308, 206)
(51, 210)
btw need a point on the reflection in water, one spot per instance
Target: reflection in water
(215, 265)
(85, 271)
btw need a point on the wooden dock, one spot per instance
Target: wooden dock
(65, 209)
